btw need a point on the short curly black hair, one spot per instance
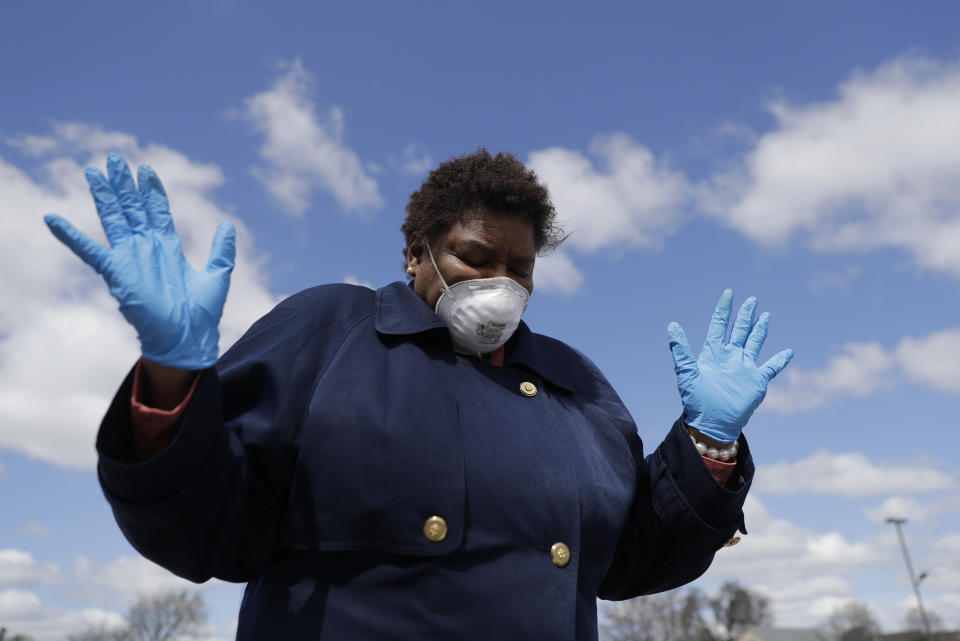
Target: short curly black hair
(475, 182)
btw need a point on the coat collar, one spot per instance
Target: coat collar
(399, 311)
(529, 351)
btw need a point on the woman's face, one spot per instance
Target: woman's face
(480, 245)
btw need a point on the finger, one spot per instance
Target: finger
(130, 202)
(717, 331)
(757, 336)
(114, 223)
(744, 322)
(154, 198)
(91, 252)
(223, 250)
(684, 363)
(776, 364)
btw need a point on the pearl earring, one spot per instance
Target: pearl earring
(411, 270)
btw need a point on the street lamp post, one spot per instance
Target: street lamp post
(914, 581)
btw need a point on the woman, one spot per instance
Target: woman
(410, 463)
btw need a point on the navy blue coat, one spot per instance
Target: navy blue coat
(311, 456)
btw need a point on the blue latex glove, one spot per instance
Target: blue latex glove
(174, 308)
(722, 388)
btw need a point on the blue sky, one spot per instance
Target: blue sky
(806, 153)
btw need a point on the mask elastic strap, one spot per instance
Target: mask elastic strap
(445, 287)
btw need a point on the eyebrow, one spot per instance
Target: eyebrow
(469, 243)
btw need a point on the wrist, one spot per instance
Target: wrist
(189, 348)
(718, 431)
(706, 438)
(712, 448)
(164, 387)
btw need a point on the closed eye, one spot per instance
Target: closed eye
(472, 260)
(522, 268)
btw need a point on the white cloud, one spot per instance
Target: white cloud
(873, 168)
(127, 577)
(806, 574)
(304, 153)
(952, 602)
(83, 136)
(630, 200)
(207, 633)
(20, 568)
(950, 543)
(24, 613)
(812, 587)
(33, 145)
(912, 509)
(944, 576)
(415, 160)
(946, 606)
(840, 279)
(800, 602)
(107, 585)
(860, 370)
(130, 575)
(556, 273)
(777, 550)
(102, 618)
(350, 279)
(19, 604)
(932, 360)
(939, 560)
(230, 629)
(59, 327)
(849, 475)
(37, 528)
(866, 368)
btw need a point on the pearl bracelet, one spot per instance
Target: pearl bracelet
(724, 454)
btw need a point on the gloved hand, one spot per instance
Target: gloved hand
(722, 388)
(174, 308)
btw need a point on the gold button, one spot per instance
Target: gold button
(560, 554)
(435, 529)
(731, 542)
(528, 388)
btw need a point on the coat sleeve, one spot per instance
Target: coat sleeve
(679, 516)
(210, 504)
(679, 519)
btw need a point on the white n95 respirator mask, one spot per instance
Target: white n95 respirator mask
(481, 314)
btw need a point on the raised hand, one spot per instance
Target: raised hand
(722, 388)
(175, 309)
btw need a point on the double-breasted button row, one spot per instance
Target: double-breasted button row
(435, 529)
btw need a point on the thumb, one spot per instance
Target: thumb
(223, 250)
(89, 251)
(776, 363)
(684, 363)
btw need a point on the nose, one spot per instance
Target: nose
(499, 269)
(503, 270)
